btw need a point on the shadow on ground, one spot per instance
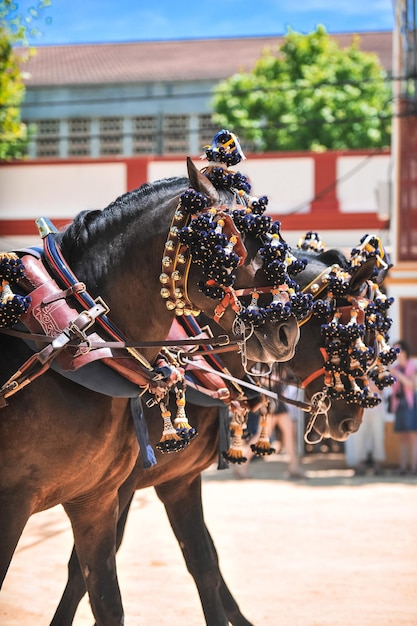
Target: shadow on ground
(320, 470)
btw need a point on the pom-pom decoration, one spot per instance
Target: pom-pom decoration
(12, 305)
(370, 246)
(225, 148)
(358, 348)
(181, 423)
(311, 241)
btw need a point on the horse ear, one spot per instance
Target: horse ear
(363, 273)
(201, 183)
(382, 274)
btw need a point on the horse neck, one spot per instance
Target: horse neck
(120, 261)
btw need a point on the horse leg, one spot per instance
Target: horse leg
(13, 518)
(73, 593)
(94, 528)
(75, 588)
(183, 504)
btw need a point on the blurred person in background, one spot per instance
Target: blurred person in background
(403, 402)
(368, 443)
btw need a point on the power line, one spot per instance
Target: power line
(335, 183)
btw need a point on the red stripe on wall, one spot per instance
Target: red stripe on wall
(137, 173)
(10, 228)
(332, 221)
(325, 187)
(311, 221)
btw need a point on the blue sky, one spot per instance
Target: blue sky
(85, 21)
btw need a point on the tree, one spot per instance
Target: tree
(13, 31)
(309, 94)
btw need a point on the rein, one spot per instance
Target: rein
(222, 341)
(263, 390)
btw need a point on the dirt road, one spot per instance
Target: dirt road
(332, 550)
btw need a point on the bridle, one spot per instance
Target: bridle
(194, 231)
(345, 351)
(213, 238)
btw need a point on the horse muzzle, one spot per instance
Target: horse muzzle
(274, 342)
(338, 424)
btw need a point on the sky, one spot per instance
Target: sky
(101, 21)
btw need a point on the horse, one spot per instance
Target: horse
(64, 443)
(177, 478)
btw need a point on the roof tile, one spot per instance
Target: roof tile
(187, 60)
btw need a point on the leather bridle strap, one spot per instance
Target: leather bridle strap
(220, 340)
(231, 297)
(320, 372)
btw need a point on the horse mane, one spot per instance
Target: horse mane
(88, 225)
(328, 257)
(332, 257)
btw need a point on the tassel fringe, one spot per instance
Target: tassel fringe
(170, 441)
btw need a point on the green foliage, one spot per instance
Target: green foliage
(14, 29)
(308, 94)
(13, 133)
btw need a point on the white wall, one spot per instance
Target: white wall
(58, 190)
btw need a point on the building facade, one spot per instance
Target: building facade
(140, 98)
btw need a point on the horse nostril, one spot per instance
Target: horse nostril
(348, 426)
(283, 336)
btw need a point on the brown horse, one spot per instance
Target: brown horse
(177, 478)
(61, 443)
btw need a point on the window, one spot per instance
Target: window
(79, 131)
(175, 133)
(47, 138)
(206, 130)
(111, 135)
(144, 135)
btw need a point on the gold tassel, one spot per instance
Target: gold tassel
(234, 454)
(181, 423)
(338, 384)
(170, 441)
(263, 446)
(6, 292)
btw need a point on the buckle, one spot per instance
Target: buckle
(99, 300)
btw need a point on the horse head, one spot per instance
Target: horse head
(213, 244)
(343, 341)
(230, 247)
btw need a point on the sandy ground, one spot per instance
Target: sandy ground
(331, 550)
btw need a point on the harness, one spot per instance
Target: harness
(344, 351)
(66, 329)
(62, 314)
(78, 331)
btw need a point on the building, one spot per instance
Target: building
(140, 98)
(403, 277)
